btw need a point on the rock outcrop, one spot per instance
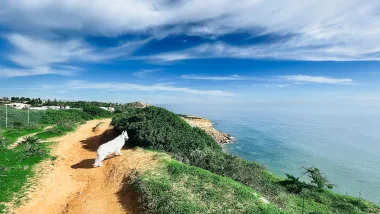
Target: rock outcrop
(138, 104)
(206, 125)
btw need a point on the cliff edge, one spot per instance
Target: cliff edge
(206, 125)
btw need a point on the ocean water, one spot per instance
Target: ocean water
(344, 146)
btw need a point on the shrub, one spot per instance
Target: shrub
(3, 143)
(97, 112)
(31, 147)
(72, 115)
(157, 128)
(318, 179)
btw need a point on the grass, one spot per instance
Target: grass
(56, 131)
(174, 187)
(13, 134)
(16, 167)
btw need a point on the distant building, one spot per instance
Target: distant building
(18, 105)
(50, 107)
(39, 108)
(108, 108)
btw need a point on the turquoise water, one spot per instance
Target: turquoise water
(346, 146)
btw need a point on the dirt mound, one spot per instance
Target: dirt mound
(72, 185)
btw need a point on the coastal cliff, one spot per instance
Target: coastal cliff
(206, 125)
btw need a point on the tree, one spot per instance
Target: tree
(317, 178)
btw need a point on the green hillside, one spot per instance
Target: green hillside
(159, 129)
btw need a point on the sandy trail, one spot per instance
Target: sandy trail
(72, 185)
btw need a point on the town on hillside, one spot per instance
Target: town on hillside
(41, 104)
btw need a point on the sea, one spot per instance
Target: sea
(344, 145)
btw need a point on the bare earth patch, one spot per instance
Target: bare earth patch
(72, 185)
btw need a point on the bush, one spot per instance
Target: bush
(32, 147)
(157, 128)
(3, 143)
(97, 112)
(72, 115)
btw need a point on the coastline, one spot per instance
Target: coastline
(205, 124)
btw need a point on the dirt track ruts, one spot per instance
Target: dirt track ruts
(72, 185)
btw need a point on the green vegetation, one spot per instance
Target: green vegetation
(159, 129)
(19, 118)
(13, 134)
(130, 106)
(97, 112)
(58, 116)
(57, 130)
(16, 166)
(55, 102)
(173, 187)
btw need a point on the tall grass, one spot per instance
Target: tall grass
(174, 187)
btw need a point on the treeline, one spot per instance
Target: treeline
(18, 118)
(54, 102)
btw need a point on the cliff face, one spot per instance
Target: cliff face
(206, 125)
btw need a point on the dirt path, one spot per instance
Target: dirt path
(72, 185)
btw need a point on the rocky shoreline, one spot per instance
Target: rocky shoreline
(205, 124)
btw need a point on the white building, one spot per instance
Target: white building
(50, 107)
(18, 105)
(108, 108)
(39, 108)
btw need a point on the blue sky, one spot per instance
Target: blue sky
(192, 52)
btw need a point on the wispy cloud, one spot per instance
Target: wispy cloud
(142, 73)
(294, 79)
(321, 29)
(220, 78)
(316, 79)
(39, 56)
(9, 73)
(120, 86)
(285, 50)
(278, 85)
(34, 51)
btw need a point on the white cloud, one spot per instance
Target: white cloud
(37, 56)
(277, 85)
(142, 73)
(216, 78)
(320, 29)
(285, 50)
(119, 86)
(316, 79)
(13, 72)
(281, 81)
(33, 51)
